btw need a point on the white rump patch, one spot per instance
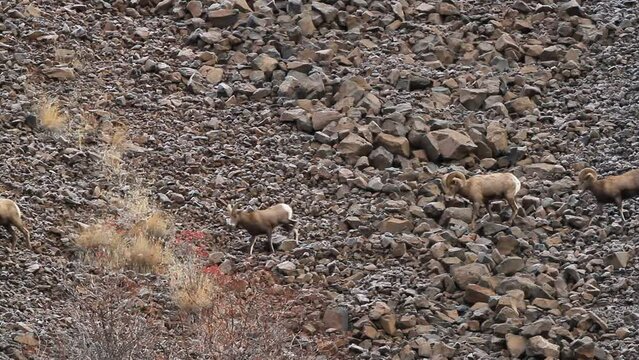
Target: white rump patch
(517, 184)
(288, 209)
(18, 209)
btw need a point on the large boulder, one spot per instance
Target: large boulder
(469, 274)
(448, 144)
(354, 146)
(301, 86)
(381, 158)
(497, 138)
(395, 225)
(397, 145)
(320, 119)
(354, 87)
(473, 99)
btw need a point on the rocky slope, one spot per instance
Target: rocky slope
(351, 111)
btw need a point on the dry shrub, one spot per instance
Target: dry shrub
(32, 10)
(249, 319)
(64, 55)
(145, 254)
(118, 140)
(157, 226)
(134, 239)
(191, 289)
(113, 151)
(87, 125)
(135, 205)
(104, 245)
(98, 236)
(112, 161)
(107, 324)
(51, 116)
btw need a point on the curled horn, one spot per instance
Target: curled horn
(586, 174)
(452, 176)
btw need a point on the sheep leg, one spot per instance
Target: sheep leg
(597, 212)
(490, 213)
(12, 233)
(513, 206)
(253, 238)
(25, 232)
(270, 241)
(473, 216)
(620, 206)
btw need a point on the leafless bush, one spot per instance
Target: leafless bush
(251, 319)
(106, 325)
(191, 288)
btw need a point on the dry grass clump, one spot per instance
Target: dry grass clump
(134, 206)
(135, 239)
(146, 254)
(157, 226)
(64, 55)
(51, 116)
(112, 161)
(98, 236)
(87, 125)
(191, 288)
(118, 139)
(104, 245)
(117, 249)
(112, 154)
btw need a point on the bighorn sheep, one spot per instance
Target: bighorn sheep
(261, 222)
(10, 215)
(481, 189)
(610, 189)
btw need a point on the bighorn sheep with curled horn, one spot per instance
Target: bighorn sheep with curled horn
(10, 216)
(481, 189)
(610, 189)
(262, 222)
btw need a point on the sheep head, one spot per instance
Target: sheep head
(586, 177)
(233, 215)
(453, 182)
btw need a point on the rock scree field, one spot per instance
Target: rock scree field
(127, 126)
